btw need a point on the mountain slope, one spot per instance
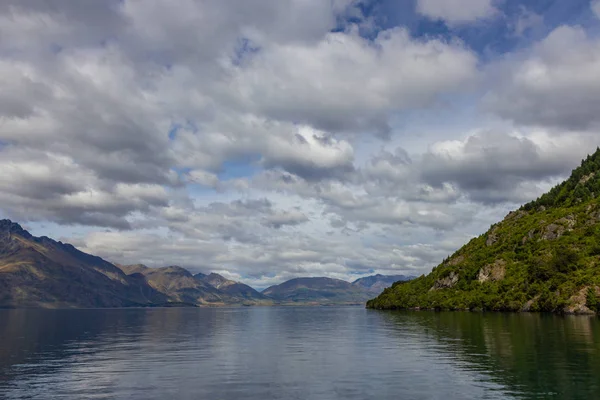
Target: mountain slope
(41, 272)
(376, 283)
(317, 291)
(177, 284)
(238, 291)
(542, 257)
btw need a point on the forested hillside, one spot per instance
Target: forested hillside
(543, 257)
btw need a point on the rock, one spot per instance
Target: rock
(586, 178)
(569, 221)
(541, 209)
(456, 260)
(492, 272)
(529, 236)
(577, 302)
(552, 231)
(527, 306)
(446, 282)
(514, 215)
(492, 237)
(558, 227)
(593, 215)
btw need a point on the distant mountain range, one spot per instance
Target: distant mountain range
(39, 272)
(317, 291)
(330, 291)
(375, 284)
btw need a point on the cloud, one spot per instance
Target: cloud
(309, 154)
(273, 139)
(284, 257)
(279, 219)
(347, 83)
(39, 186)
(525, 21)
(456, 12)
(491, 167)
(595, 4)
(554, 85)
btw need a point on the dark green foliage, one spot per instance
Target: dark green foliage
(571, 191)
(548, 250)
(591, 300)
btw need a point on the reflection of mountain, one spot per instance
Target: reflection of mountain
(49, 332)
(276, 352)
(38, 343)
(536, 356)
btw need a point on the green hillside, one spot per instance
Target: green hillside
(543, 257)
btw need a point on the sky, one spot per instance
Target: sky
(271, 139)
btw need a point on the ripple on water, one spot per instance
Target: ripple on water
(294, 353)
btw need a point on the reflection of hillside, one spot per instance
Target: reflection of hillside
(536, 356)
(49, 343)
(30, 337)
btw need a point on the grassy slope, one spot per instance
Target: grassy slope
(548, 253)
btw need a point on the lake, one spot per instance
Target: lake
(295, 353)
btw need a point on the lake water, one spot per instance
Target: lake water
(295, 353)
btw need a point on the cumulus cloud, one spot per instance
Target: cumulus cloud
(266, 263)
(309, 154)
(456, 11)
(273, 139)
(279, 219)
(347, 83)
(493, 167)
(555, 85)
(40, 186)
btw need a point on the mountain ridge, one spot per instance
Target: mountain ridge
(320, 290)
(41, 272)
(36, 271)
(376, 283)
(237, 290)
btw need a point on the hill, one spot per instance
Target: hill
(317, 291)
(178, 284)
(237, 291)
(543, 257)
(376, 283)
(41, 272)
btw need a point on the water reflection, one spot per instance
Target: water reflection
(302, 353)
(533, 356)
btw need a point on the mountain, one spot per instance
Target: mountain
(236, 290)
(376, 283)
(38, 272)
(317, 291)
(41, 272)
(178, 284)
(543, 257)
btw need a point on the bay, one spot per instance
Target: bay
(296, 353)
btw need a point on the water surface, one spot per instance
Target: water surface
(295, 353)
